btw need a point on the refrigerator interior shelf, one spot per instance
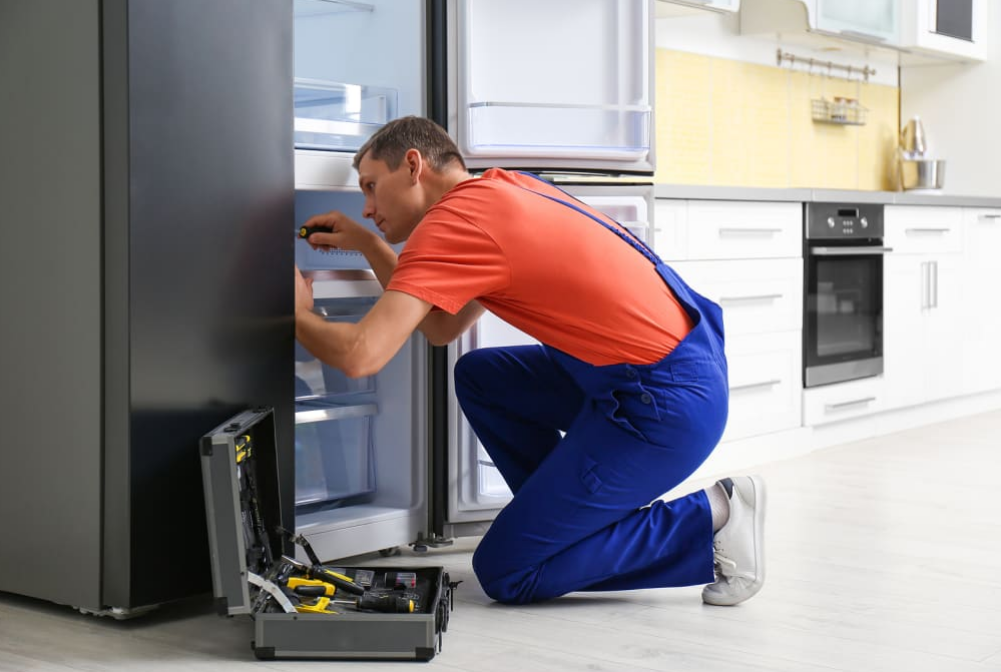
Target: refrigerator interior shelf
(338, 116)
(563, 106)
(344, 284)
(323, 412)
(307, 8)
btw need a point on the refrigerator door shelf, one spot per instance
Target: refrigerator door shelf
(307, 8)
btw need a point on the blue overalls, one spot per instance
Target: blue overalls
(585, 449)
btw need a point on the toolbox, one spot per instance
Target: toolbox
(304, 609)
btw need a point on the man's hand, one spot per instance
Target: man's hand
(345, 233)
(303, 293)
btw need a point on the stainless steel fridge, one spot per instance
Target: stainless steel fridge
(156, 167)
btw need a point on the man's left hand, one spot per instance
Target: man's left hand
(303, 293)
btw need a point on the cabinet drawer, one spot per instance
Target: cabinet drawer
(843, 401)
(744, 230)
(919, 229)
(756, 295)
(765, 383)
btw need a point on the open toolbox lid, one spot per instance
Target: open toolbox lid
(244, 524)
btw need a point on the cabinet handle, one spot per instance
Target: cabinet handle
(934, 283)
(928, 229)
(990, 215)
(751, 386)
(758, 297)
(732, 229)
(845, 404)
(925, 284)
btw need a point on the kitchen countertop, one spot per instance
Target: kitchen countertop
(710, 193)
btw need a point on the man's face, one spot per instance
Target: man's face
(393, 198)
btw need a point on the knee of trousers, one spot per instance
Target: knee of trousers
(512, 587)
(468, 372)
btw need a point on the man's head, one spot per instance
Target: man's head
(403, 169)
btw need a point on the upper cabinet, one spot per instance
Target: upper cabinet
(679, 7)
(876, 21)
(952, 29)
(922, 31)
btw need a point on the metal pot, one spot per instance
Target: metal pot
(922, 173)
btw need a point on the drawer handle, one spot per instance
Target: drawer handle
(757, 297)
(928, 229)
(990, 216)
(751, 386)
(335, 413)
(846, 404)
(753, 231)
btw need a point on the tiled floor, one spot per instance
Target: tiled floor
(882, 555)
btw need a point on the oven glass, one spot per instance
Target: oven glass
(844, 309)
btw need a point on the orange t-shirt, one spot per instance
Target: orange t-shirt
(544, 268)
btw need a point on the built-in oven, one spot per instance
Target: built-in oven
(843, 292)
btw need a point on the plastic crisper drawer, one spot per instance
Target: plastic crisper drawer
(314, 380)
(337, 116)
(333, 453)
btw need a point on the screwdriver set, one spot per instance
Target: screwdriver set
(304, 608)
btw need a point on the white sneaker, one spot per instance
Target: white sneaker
(738, 547)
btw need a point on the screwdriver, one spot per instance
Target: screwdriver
(307, 231)
(321, 573)
(387, 604)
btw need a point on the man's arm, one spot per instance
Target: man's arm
(441, 328)
(362, 349)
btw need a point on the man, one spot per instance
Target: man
(626, 397)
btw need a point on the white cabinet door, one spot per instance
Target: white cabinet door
(960, 34)
(923, 329)
(744, 230)
(981, 288)
(765, 383)
(554, 84)
(875, 21)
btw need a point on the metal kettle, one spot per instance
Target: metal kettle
(912, 137)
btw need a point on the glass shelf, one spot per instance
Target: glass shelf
(307, 8)
(337, 116)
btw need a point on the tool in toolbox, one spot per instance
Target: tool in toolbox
(304, 609)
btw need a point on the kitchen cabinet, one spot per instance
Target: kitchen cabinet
(844, 401)
(676, 7)
(923, 299)
(861, 20)
(746, 256)
(953, 29)
(871, 22)
(980, 321)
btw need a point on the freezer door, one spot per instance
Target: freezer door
(476, 490)
(562, 84)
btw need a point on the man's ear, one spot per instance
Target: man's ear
(415, 162)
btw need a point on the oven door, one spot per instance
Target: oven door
(843, 314)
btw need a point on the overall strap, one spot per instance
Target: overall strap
(623, 233)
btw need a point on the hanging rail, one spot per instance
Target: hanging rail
(865, 72)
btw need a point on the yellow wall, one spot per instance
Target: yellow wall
(730, 123)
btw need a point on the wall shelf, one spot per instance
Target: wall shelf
(838, 111)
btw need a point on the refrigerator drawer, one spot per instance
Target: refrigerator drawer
(333, 453)
(316, 381)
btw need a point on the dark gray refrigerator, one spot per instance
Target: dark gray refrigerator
(144, 284)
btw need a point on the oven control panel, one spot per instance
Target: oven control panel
(838, 221)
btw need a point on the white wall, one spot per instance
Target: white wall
(959, 106)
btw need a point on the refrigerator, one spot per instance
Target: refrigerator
(157, 165)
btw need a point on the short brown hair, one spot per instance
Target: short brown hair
(391, 142)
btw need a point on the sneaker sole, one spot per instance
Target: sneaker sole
(757, 494)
